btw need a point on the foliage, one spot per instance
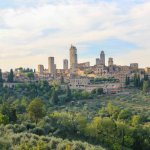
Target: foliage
(28, 121)
(36, 110)
(8, 112)
(145, 86)
(4, 119)
(54, 98)
(30, 75)
(11, 76)
(127, 82)
(1, 78)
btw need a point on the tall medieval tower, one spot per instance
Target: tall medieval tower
(102, 58)
(73, 57)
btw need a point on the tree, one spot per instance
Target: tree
(137, 80)
(30, 75)
(68, 93)
(62, 79)
(13, 115)
(1, 78)
(9, 111)
(36, 109)
(125, 115)
(11, 76)
(127, 80)
(146, 77)
(93, 91)
(4, 119)
(112, 110)
(54, 98)
(85, 95)
(145, 86)
(136, 120)
(99, 91)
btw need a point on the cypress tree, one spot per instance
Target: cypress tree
(68, 93)
(138, 81)
(145, 86)
(126, 80)
(54, 98)
(1, 78)
(11, 76)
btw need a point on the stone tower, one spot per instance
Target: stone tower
(73, 57)
(51, 65)
(65, 64)
(110, 62)
(102, 58)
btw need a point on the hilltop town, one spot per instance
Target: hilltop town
(111, 78)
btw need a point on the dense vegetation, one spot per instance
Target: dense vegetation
(38, 116)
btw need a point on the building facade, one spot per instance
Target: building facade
(40, 69)
(97, 61)
(84, 65)
(134, 66)
(110, 62)
(65, 64)
(73, 58)
(51, 65)
(102, 58)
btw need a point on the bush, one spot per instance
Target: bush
(19, 128)
(53, 143)
(78, 146)
(62, 146)
(38, 131)
(4, 144)
(30, 126)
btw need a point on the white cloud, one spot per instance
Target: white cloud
(22, 38)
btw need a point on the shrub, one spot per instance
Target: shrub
(38, 131)
(30, 126)
(4, 144)
(19, 128)
(78, 146)
(53, 143)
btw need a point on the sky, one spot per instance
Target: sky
(33, 30)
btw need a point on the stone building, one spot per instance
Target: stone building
(84, 65)
(102, 58)
(40, 69)
(65, 64)
(51, 66)
(134, 66)
(101, 70)
(79, 82)
(110, 62)
(147, 70)
(73, 58)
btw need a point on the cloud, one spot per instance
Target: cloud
(47, 28)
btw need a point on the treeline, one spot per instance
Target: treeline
(143, 84)
(51, 94)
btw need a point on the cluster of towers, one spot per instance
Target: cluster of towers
(73, 62)
(52, 65)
